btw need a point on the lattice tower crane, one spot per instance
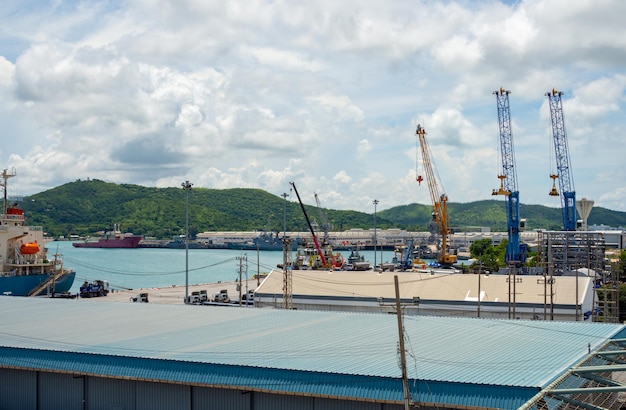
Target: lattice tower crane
(563, 165)
(439, 201)
(326, 225)
(515, 251)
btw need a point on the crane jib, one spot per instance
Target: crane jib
(308, 221)
(563, 165)
(515, 251)
(439, 201)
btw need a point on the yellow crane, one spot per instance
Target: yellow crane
(439, 201)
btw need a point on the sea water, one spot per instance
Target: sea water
(163, 267)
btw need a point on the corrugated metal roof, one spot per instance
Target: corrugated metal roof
(442, 351)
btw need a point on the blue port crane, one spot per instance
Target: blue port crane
(515, 251)
(563, 165)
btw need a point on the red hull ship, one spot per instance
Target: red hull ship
(113, 239)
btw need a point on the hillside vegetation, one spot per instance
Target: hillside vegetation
(86, 207)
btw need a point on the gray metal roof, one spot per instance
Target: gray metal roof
(442, 351)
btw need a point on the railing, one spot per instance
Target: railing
(53, 278)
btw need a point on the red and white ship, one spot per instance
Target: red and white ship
(111, 239)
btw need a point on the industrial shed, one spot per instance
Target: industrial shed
(78, 354)
(426, 292)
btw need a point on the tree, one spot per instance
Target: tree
(478, 248)
(490, 259)
(620, 269)
(531, 259)
(622, 302)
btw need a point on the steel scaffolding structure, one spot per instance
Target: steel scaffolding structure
(564, 252)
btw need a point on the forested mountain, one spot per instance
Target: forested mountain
(85, 207)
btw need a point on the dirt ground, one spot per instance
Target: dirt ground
(175, 295)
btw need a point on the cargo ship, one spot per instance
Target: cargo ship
(111, 239)
(26, 268)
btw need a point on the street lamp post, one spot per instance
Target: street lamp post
(187, 187)
(285, 195)
(375, 202)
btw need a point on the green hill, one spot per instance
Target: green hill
(85, 207)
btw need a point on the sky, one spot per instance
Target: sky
(325, 94)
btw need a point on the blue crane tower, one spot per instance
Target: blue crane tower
(563, 165)
(515, 251)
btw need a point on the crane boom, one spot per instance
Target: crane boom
(439, 201)
(564, 168)
(326, 225)
(308, 221)
(515, 252)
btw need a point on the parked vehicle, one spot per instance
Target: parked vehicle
(141, 298)
(198, 297)
(94, 289)
(222, 296)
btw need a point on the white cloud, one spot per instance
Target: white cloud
(338, 106)
(364, 147)
(282, 59)
(326, 94)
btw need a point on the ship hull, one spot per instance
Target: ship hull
(275, 245)
(23, 285)
(253, 247)
(126, 242)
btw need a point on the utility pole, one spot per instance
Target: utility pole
(478, 299)
(287, 275)
(187, 187)
(242, 260)
(375, 202)
(405, 380)
(285, 195)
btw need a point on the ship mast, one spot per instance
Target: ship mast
(5, 178)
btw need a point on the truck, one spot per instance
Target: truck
(248, 298)
(94, 289)
(140, 298)
(222, 296)
(197, 297)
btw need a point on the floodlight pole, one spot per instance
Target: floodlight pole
(285, 195)
(187, 187)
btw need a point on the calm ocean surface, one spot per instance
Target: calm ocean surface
(152, 268)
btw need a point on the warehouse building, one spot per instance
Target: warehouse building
(75, 354)
(425, 292)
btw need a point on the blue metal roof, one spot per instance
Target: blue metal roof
(470, 362)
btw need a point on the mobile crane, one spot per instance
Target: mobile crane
(335, 260)
(564, 167)
(515, 252)
(439, 201)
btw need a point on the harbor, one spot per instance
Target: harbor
(151, 268)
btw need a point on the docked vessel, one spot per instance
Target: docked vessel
(26, 268)
(111, 239)
(317, 257)
(356, 261)
(266, 241)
